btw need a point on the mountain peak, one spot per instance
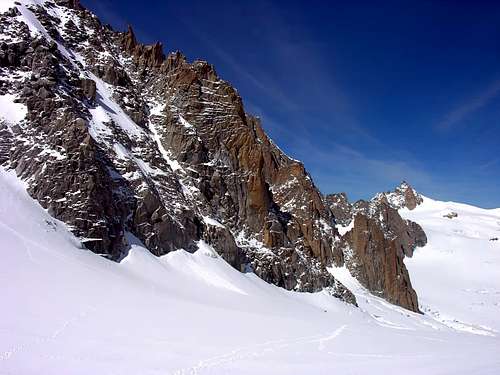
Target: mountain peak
(403, 196)
(71, 4)
(151, 56)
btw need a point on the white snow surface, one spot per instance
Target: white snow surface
(457, 274)
(210, 221)
(5, 5)
(11, 112)
(66, 310)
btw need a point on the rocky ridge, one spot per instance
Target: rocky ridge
(120, 140)
(376, 240)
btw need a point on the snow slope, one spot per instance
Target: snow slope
(457, 275)
(67, 310)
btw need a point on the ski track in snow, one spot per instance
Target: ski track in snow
(333, 336)
(35, 341)
(259, 350)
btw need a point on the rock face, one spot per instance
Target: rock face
(404, 196)
(379, 240)
(378, 264)
(120, 140)
(341, 208)
(89, 89)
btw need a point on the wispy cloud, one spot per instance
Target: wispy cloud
(378, 169)
(471, 105)
(489, 164)
(107, 12)
(292, 74)
(266, 86)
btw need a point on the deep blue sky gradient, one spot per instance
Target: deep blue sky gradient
(365, 94)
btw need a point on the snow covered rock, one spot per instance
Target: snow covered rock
(376, 239)
(119, 138)
(403, 196)
(341, 208)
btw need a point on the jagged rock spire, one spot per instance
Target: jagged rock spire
(130, 41)
(411, 199)
(151, 56)
(403, 196)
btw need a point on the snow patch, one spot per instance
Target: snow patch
(208, 220)
(11, 112)
(344, 229)
(184, 123)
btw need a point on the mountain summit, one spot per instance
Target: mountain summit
(403, 196)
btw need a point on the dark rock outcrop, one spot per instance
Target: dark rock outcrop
(340, 207)
(72, 4)
(89, 89)
(451, 215)
(379, 240)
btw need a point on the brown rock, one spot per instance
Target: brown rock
(144, 55)
(129, 42)
(378, 264)
(88, 88)
(412, 200)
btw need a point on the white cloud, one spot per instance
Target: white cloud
(471, 105)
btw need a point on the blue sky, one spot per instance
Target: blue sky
(365, 94)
